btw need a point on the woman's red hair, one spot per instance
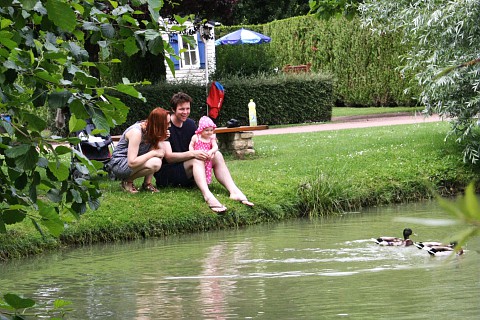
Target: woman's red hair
(157, 126)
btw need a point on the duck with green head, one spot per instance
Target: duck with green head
(395, 241)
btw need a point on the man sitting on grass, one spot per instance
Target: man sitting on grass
(186, 168)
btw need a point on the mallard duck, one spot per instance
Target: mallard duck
(429, 244)
(452, 248)
(394, 241)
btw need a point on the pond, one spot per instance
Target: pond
(301, 269)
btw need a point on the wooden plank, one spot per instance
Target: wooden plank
(240, 129)
(224, 130)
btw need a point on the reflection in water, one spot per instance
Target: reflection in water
(298, 269)
(217, 281)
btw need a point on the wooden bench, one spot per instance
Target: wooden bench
(297, 69)
(238, 140)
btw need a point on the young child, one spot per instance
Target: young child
(205, 139)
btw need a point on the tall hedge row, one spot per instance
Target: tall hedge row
(282, 99)
(364, 65)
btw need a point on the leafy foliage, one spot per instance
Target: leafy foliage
(327, 9)
(263, 11)
(466, 209)
(49, 58)
(363, 65)
(444, 49)
(210, 9)
(15, 307)
(235, 12)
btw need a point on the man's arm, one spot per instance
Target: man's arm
(192, 143)
(174, 157)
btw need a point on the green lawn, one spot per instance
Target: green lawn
(291, 175)
(347, 111)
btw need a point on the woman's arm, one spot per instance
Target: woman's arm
(134, 138)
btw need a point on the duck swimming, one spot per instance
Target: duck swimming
(452, 248)
(429, 244)
(394, 241)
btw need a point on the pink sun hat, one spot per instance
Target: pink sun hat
(205, 122)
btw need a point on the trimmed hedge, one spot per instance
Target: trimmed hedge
(365, 65)
(282, 99)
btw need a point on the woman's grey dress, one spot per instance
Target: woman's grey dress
(119, 163)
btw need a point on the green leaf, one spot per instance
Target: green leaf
(51, 219)
(59, 99)
(62, 150)
(472, 208)
(171, 65)
(119, 111)
(78, 52)
(151, 34)
(47, 77)
(86, 79)
(10, 44)
(84, 160)
(37, 227)
(59, 169)
(28, 4)
(5, 23)
(107, 30)
(156, 46)
(79, 208)
(75, 124)
(154, 7)
(28, 161)
(61, 14)
(76, 196)
(100, 122)
(17, 151)
(78, 109)
(35, 122)
(59, 303)
(90, 26)
(13, 216)
(7, 126)
(130, 46)
(130, 90)
(18, 302)
(54, 195)
(94, 204)
(21, 181)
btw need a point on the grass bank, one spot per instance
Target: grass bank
(292, 175)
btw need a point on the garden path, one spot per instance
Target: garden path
(339, 123)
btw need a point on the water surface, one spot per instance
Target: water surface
(301, 269)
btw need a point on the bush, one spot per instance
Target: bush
(365, 65)
(280, 99)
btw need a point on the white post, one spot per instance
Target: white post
(206, 64)
(204, 31)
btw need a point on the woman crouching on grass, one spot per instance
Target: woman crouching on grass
(138, 153)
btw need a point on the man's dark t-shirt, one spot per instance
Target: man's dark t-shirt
(173, 174)
(180, 137)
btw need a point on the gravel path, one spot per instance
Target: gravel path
(340, 123)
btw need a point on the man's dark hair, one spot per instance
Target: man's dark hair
(178, 98)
